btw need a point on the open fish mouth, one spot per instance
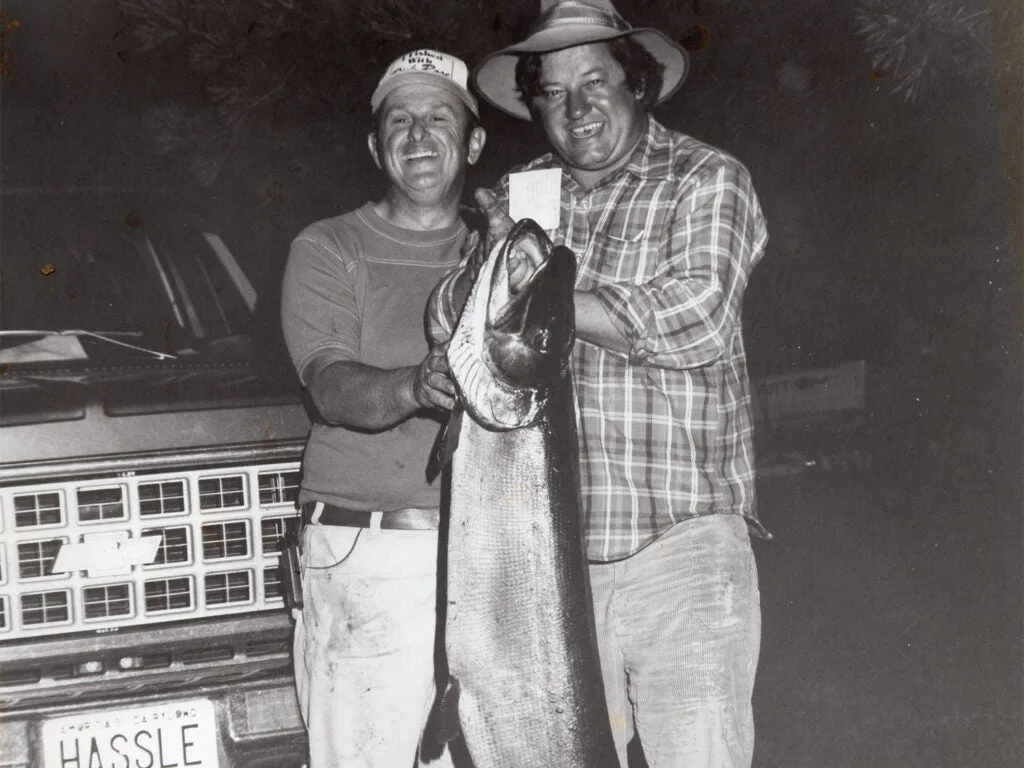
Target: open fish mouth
(505, 306)
(508, 344)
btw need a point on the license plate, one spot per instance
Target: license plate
(178, 735)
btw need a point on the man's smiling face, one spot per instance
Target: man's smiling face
(422, 144)
(592, 118)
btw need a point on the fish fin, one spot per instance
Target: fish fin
(445, 445)
(442, 726)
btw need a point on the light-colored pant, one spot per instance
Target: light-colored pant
(364, 644)
(679, 632)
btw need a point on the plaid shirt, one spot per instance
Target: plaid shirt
(666, 244)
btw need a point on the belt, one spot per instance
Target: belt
(399, 519)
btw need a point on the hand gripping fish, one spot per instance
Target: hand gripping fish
(524, 687)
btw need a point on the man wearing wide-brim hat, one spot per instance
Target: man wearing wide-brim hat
(666, 231)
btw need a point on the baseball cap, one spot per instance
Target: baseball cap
(430, 68)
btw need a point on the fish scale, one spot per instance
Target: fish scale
(516, 612)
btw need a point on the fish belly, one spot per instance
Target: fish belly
(519, 637)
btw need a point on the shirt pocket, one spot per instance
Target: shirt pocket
(615, 258)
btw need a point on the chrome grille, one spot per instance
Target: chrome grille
(279, 487)
(230, 588)
(166, 595)
(218, 538)
(108, 601)
(273, 531)
(98, 504)
(45, 608)
(36, 558)
(225, 541)
(272, 582)
(33, 510)
(175, 546)
(166, 498)
(218, 493)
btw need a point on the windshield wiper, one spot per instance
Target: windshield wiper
(6, 354)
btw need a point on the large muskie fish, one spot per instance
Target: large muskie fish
(524, 684)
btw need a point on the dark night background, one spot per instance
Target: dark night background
(892, 590)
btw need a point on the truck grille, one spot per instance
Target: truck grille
(80, 554)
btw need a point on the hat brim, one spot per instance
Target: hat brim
(495, 77)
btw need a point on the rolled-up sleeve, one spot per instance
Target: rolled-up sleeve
(318, 302)
(685, 315)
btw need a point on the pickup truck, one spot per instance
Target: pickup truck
(150, 438)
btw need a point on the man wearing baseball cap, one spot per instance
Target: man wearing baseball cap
(353, 298)
(666, 231)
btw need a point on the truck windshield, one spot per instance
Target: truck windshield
(135, 311)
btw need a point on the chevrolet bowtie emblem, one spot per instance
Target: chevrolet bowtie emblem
(107, 554)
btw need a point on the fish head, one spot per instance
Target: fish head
(511, 346)
(530, 333)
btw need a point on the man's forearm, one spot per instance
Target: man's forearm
(594, 326)
(352, 394)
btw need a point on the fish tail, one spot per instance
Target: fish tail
(442, 727)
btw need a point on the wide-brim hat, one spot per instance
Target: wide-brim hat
(565, 24)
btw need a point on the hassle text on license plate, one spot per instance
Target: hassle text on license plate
(178, 735)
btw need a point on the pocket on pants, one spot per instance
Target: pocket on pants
(325, 546)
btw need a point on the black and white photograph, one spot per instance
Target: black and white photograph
(511, 384)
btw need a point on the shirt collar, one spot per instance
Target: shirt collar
(650, 158)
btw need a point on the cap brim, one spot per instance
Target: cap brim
(422, 78)
(495, 77)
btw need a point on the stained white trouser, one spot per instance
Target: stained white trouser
(364, 644)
